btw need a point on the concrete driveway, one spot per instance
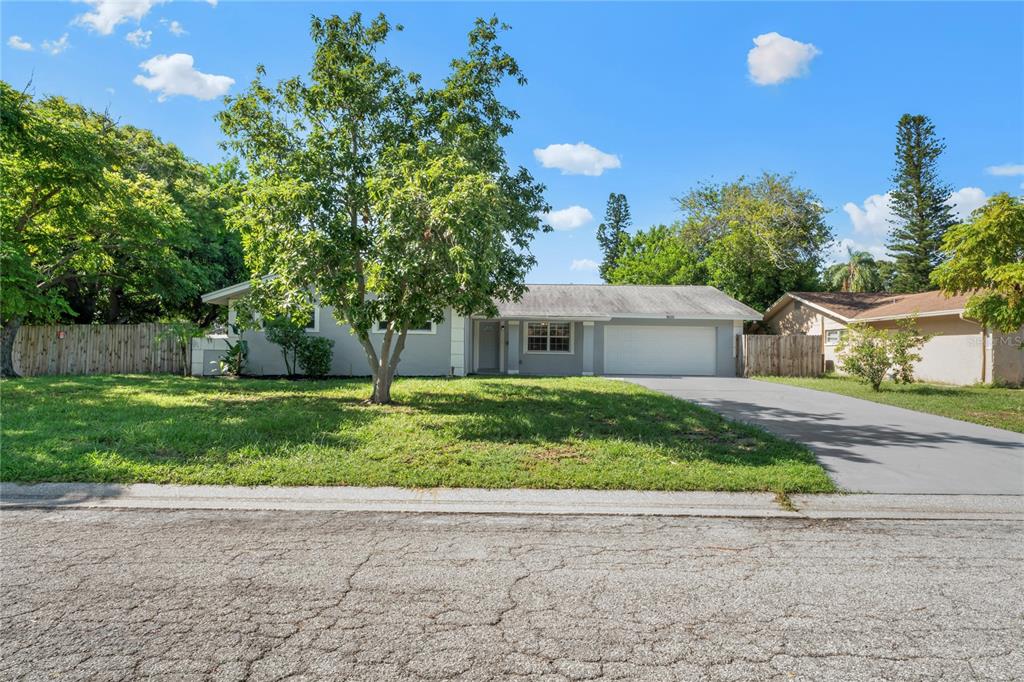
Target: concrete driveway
(866, 446)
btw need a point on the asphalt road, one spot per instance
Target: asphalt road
(362, 596)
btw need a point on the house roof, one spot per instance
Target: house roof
(598, 302)
(866, 307)
(604, 301)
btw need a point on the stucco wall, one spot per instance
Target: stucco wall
(1007, 358)
(795, 317)
(424, 354)
(953, 355)
(572, 364)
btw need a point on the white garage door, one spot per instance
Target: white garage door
(635, 349)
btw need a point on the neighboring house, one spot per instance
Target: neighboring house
(555, 329)
(960, 352)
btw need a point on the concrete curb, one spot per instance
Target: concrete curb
(508, 501)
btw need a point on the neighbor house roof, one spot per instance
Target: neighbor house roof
(597, 302)
(604, 301)
(867, 307)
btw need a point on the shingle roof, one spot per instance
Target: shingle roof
(627, 300)
(869, 306)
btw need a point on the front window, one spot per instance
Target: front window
(549, 337)
(832, 336)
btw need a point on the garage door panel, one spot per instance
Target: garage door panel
(645, 349)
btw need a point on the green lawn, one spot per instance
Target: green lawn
(988, 405)
(493, 433)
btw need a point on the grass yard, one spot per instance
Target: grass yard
(988, 405)
(479, 432)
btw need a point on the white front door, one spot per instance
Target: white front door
(647, 349)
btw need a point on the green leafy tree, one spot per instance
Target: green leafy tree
(985, 257)
(858, 273)
(375, 195)
(659, 255)
(54, 165)
(754, 240)
(864, 353)
(613, 233)
(284, 331)
(886, 275)
(918, 200)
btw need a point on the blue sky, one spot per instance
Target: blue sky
(660, 95)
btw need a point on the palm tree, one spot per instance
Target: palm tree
(859, 273)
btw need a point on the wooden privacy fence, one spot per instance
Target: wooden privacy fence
(791, 355)
(95, 349)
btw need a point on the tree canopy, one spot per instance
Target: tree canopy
(859, 273)
(753, 239)
(379, 196)
(103, 222)
(985, 257)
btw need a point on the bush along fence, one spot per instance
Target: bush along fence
(791, 355)
(97, 349)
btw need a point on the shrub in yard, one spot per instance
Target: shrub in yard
(870, 353)
(903, 346)
(232, 361)
(314, 355)
(864, 353)
(283, 331)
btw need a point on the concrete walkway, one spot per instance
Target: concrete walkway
(508, 501)
(866, 446)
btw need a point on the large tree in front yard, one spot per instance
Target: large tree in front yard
(376, 195)
(985, 257)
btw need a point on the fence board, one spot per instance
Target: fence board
(790, 355)
(95, 349)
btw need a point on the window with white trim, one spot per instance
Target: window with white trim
(314, 322)
(549, 337)
(832, 336)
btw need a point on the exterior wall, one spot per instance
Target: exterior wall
(953, 355)
(795, 317)
(587, 356)
(424, 354)
(1007, 355)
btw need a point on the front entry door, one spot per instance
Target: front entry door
(488, 346)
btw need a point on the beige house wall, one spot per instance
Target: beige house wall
(957, 353)
(1007, 358)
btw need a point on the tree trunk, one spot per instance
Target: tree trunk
(7, 337)
(385, 367)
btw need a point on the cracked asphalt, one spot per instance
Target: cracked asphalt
(118, 595)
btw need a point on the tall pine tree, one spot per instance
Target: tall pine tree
(612, 233)
(918, 199)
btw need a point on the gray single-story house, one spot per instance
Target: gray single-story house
(555, 329)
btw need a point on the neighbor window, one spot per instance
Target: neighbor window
(549, 337)
(832, 336)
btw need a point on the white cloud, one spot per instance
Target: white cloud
(776, 58)
(211, 3)
(18, 44)
(107, 14)
(1006, 169)
(174, 27)
(576, 159)
(568, 218)
(873, 218)
(584, 264)
(965, 200)
(175, 75)
(55, 47)
(139, 38)
(840, 251)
